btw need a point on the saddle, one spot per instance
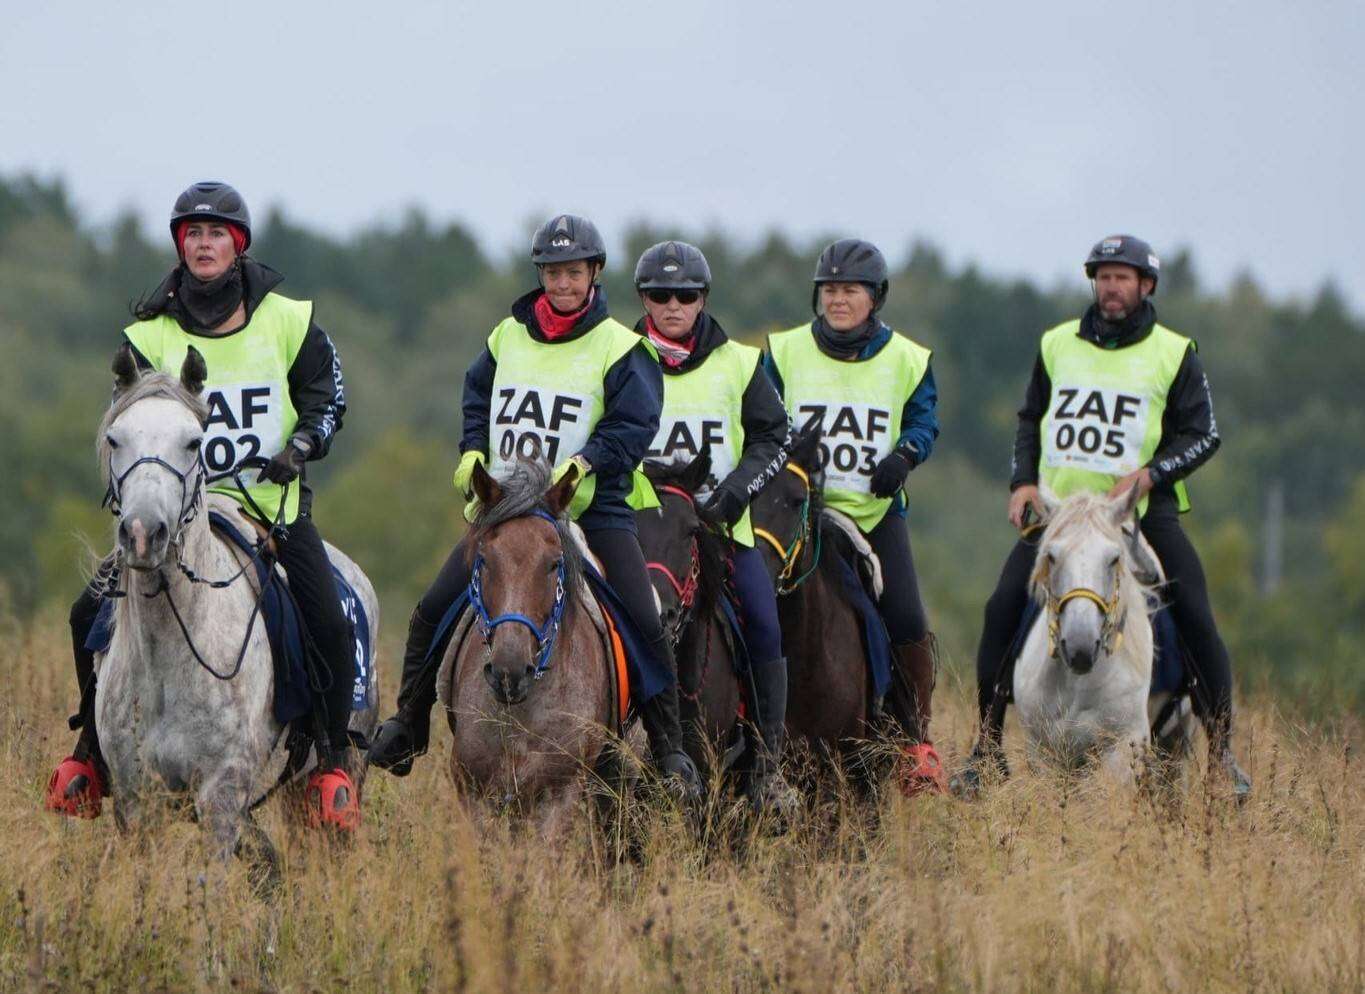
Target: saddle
(858, 551)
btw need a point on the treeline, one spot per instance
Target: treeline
(410, 301)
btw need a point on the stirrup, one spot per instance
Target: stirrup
(332, 800)
(920, 771)
(394, 747)
(75, 789)
(967, 783)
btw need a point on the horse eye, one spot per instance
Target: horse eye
(111, 442)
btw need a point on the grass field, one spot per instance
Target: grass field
(1045, 885)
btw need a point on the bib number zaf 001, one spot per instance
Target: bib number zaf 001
(855, 438)
(530, 422)
(1097, 429)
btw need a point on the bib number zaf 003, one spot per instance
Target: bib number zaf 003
(855, 438)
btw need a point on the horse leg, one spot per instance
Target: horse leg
(255, 847)
(221, 805)
(1126, 759)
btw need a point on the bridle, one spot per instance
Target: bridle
(685, 589)
(191, 494)
(1111, 627)
(790, 555)
(546, 634)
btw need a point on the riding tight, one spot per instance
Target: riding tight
(757, 605)
(1186, 591)
(900, 605)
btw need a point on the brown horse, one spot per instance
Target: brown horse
(687, 565)
(829, 688)
(529, 687)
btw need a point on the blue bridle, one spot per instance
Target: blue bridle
(544, 635)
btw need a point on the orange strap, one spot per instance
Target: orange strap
(618, 652)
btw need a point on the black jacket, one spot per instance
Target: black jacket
(633, 397)
(767, 429)
(316, 388)
(1189, 431)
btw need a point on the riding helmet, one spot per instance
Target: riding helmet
(567, 238)
(1128, 251)
(212, 200)
(852, 260)
(672, 266)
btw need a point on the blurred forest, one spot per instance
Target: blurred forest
(1279, 514)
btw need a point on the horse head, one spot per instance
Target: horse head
(524, 570)
(670, 537)
(783, 511)
(150, 449)
(1085, 557)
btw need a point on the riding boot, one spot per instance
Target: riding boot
(663, 728)
(87, 743)
(404, 737)
(1221, 757)
(914, 672)
(768, 788)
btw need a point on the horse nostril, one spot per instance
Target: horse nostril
(123, 531)
(530, 670)
(162, 533)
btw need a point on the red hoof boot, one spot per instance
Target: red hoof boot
(920, 771)
(332, 800)
(75, 789)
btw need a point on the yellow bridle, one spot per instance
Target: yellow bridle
(1111, 628)
(789, 555)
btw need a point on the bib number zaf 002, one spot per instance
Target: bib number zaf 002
(1096, 429)
(682, 438)
(530, 422)
(855, 438)
(245, 422)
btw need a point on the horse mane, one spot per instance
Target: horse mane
(1096, 512)
(156, 384)
(523, 493)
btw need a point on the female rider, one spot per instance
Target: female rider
(716, 396)
(872, 393)
(560, 377)
(274, 386)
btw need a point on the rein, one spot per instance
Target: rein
(686, 590)
(547, 634)
(790, 555)
(1111, 628)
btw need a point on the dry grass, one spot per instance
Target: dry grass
(1044, 886)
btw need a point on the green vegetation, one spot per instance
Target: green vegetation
(409, 303)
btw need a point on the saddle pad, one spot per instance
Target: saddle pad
(876, 642)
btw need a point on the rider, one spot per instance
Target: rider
(1139, 391)
(872, 392)
(716, 397)
(274, 386)
(559, 377)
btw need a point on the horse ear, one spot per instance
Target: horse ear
(694, 477)
(1051, 502)
(485, 487)
(1124, 506)
(193, 372)
(557, 498)
(806, 446)
(125, 368)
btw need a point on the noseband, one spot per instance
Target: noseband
(191, 496)
(547, 634)
(1111, 627)
(686, 589)
(790, 555)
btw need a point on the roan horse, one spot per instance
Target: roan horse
(184, 700)
(829, 701)
(687, 565)
(529, 692)
(1082, 684)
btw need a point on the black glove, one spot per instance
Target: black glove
(723, 509)
(890, 474)
(286, 465)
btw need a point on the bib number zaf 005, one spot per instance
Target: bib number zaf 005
(1096, 429)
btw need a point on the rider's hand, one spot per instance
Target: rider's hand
(889, 474)
(1142, 477)
(579, 462)
(1024, 497)
(286, 465)
(464, 473)
(723, 509)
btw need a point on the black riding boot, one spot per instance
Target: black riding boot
(914, 671)
(402, 738)
(87, 743)
(768, 788)
(663, 728)
(1218, 727)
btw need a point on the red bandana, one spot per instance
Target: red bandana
(673, 353)
(555, 325)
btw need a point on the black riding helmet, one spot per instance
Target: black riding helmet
(852, 260)
(1125, 250)
(672, 266)
(567, 238)
(215, 201)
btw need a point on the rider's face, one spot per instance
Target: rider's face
(845, 305)
(673, 318)
(1119, 290)
(208, 249)
(567, 284)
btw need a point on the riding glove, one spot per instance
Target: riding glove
(286, 465)
(723, 509)
(889, 475)
(464, 473)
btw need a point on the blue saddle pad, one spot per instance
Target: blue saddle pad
(876, 641)
(1168, 662)
(730, 615)
(648, 674)
(284, 628)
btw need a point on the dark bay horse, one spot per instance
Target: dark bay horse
(829, 702)
(687, 564)
(529, 691)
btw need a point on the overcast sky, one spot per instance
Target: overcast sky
(1010, 134)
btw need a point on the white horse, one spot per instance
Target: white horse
(1082, 684)
(166, 724)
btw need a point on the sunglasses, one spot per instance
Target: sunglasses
(683, 297)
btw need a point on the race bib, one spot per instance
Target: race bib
(1096, 429)
(855, 438)
(530, 422)
(246, 420)
(682, 439)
